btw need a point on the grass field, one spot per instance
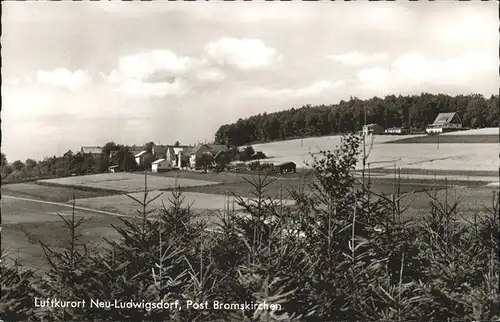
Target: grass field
(125, 205)
(450, 138)
(448, 156)
(26, 224)
(126, 182)
(49, 192)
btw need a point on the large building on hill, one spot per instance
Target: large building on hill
(445, 122)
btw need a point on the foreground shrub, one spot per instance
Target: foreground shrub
(339, 253)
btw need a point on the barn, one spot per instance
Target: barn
(286, 167)
(161, 165)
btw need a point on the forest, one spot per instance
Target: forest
(413, 112)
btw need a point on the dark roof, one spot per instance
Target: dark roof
(198, 147)
(218, 147)
(285, 164)
(444, 118)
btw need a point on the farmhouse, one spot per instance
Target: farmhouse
(396, 130)
(186, 156)
(286, 167)
(134, 149)
(68, 154)
(160, 151)
(92, 150)
(161, 165)
(370, 129)
(139, 157)
(445, 122)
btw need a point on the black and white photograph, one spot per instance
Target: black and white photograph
(250, 161)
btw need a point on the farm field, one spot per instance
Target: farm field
(49, 192)
(281, 188)
(125, 182)
(485, 131)
(222, 177)
(125, 205)
(451, 138)
(449, 156)
(26, 224)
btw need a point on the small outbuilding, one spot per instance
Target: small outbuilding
(113, 168)
(161, 165)
(396, 130)
(371, 129)
(286, 167)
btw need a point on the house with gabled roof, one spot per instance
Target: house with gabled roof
(445, 122)
(92, 150)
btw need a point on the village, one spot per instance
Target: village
(201, 157)
(217, 157)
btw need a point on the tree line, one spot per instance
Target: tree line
(414, 112)
(71, 163)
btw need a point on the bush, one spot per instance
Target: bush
(338, 254)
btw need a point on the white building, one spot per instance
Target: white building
(139, 157)
(161, 165)
(445, 122)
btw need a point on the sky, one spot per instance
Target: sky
(86, 73)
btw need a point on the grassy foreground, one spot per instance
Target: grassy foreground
(340, 254)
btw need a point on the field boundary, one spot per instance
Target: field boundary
(449, 139)
(80, 187)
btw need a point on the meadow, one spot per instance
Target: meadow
(125, 182)
(445, 156)
(52, 192)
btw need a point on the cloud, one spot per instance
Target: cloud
(357, 59)
(311, 90)
(414, 69)
(64, 78)
(135, 87)
(153, 73)
(245, 54)
(212, 74)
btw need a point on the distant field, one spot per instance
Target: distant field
(222, 177)
(50, 193)
(451, 138)
(125, 205)
(485, 131)
(281, 188)
(126, 182)
(449, 156)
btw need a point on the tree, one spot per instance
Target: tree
(414, 111)
(108, 147)
(18, 165)
(124, 159)
(177, 143)
(3, 160)
(247, 153)
(149, 147)
(204, 161)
